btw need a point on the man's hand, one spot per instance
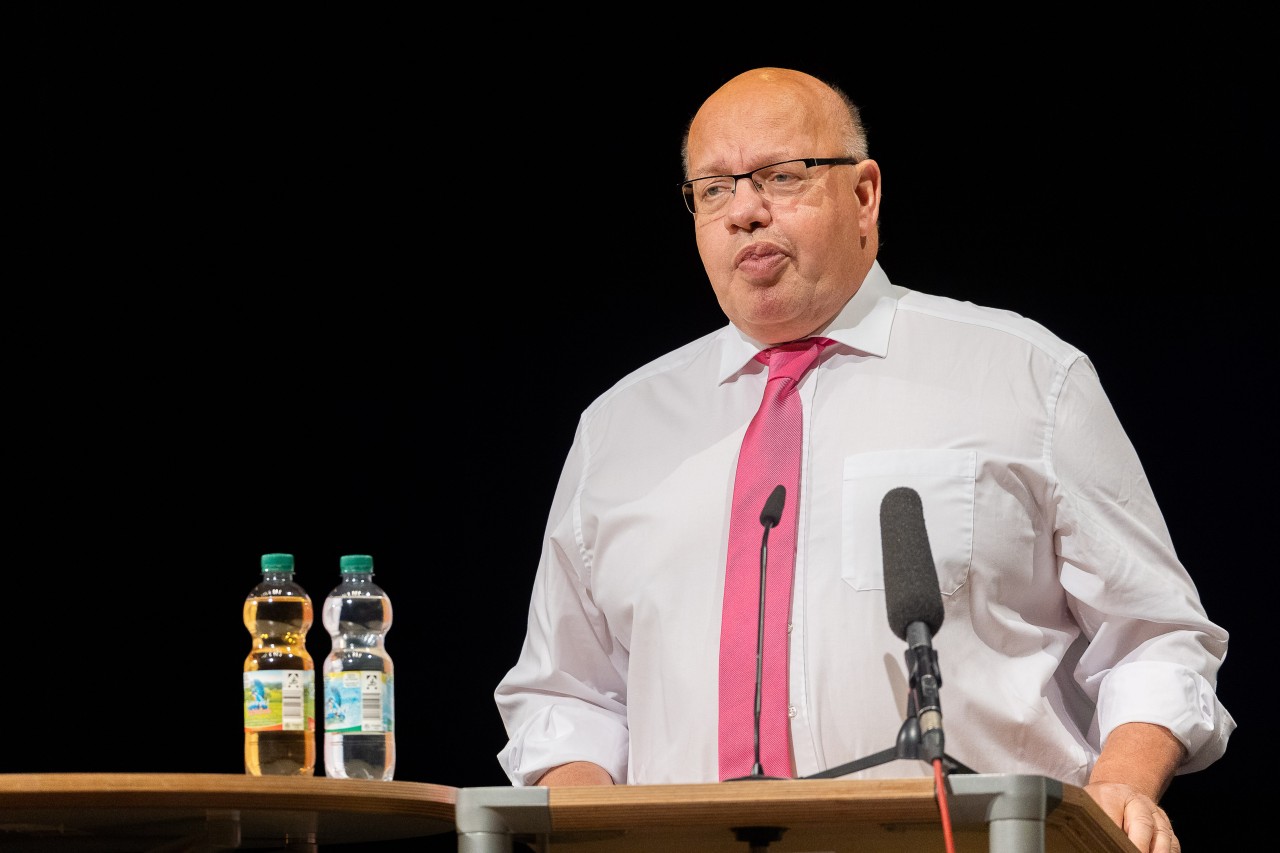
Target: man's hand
(1132, 773)
(1146, 824)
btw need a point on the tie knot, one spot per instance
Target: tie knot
(792, 360)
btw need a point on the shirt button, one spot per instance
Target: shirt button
(791, 710)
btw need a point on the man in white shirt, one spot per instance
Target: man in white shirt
(1074, 643)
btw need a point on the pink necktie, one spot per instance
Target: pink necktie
(770, 456)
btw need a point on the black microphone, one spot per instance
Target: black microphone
(914, 604)
(772, 512)
(769, 517)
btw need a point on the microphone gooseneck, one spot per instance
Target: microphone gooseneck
(769, 518)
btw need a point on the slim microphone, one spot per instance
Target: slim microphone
(914, 604)
(772, 512)
(769, 517)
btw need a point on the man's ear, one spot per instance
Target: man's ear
(868, 192)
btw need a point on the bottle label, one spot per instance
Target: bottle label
(358, 701)
(279, 700)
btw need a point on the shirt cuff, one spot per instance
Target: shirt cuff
(1169, 695)
(558, 735)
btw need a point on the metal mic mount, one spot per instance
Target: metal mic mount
(924, 681)
(920, 736)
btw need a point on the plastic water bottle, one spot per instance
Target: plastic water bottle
(279, 675)
(359, 699)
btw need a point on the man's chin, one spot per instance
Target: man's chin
(771, 327)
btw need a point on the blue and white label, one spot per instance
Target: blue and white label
(358, 701)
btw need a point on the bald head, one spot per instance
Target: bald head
(782, 88)
(783, 266)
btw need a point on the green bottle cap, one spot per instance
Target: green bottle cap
(277, 563)
(355, 564)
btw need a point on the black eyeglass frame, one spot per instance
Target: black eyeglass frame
(686, 187)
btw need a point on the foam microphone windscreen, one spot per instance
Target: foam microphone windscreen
(772, 512)
(911, 590)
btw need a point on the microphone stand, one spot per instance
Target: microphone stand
(925, 679)
(757, 770)
(758, 838)
(769, 518)
(915, 609)
(907, 747)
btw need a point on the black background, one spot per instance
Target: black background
(326, 287)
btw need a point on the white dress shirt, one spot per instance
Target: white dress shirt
(1067, 611)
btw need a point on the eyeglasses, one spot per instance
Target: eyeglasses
(775, 182)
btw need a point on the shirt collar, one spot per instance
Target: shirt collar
(862, 325)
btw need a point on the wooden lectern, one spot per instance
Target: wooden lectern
(990, 813)
(205, 812)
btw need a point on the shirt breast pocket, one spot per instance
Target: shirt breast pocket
(945, 481)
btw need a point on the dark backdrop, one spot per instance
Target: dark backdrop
(297, 289)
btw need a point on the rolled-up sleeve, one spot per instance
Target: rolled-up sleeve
(1153, 655)
(565, 698)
